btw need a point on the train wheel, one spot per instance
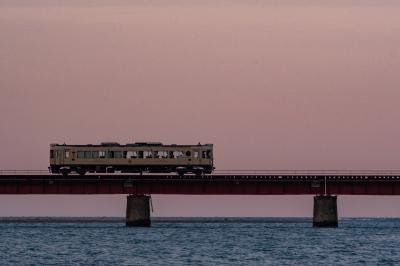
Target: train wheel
(181, 171)
(199, 174)
(65, 171)
(110, 169)
(181, 174)
(81, 171)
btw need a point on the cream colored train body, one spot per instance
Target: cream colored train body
(131, 158)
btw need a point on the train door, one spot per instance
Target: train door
(66, 156)
(187, 155)
(196, 156)
(59, 156)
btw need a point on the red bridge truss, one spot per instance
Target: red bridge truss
(222, 183)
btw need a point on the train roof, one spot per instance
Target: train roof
(136, 144)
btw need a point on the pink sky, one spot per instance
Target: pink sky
(298, 85)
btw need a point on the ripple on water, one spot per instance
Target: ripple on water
(355, 242)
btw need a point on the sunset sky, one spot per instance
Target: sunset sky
(272, 84)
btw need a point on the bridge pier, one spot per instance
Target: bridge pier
(325, 211)
(138, 210)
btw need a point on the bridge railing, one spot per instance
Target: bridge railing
(310, 172)
(283, 172)
(24, 172)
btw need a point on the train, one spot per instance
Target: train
(139, 157)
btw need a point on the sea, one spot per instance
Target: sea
(198, 241)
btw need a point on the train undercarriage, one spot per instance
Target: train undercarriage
(83, 169)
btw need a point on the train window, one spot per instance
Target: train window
(162, 154)
(118, 154)
(88, 154)
(51, 154)
(203, 154)
(95, 154)
(140, 154)
(178, 154)
(102, 154)
(196, 154)
(66, 154)
(170, 154)
(188, 154)
(124, 154)
(209, 154)
(110, 154)
(131, 154)
(81, 154)
(148, 154)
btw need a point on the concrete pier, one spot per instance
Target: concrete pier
(138, 210)
(325, 211)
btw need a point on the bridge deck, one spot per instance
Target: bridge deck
(357, 183)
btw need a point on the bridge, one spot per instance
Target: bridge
(323, 184)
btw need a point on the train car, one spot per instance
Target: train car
(139, 157)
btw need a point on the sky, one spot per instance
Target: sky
(272, 84)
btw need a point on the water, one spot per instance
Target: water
(200, 242)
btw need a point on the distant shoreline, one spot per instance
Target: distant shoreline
(155, 220)
(171, 219)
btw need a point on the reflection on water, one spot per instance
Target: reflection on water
(203, 241)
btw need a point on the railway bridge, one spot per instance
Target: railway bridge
(325, 185)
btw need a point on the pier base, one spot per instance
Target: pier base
(138, 210)
(325, 211)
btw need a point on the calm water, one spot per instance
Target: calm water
(234, 242)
